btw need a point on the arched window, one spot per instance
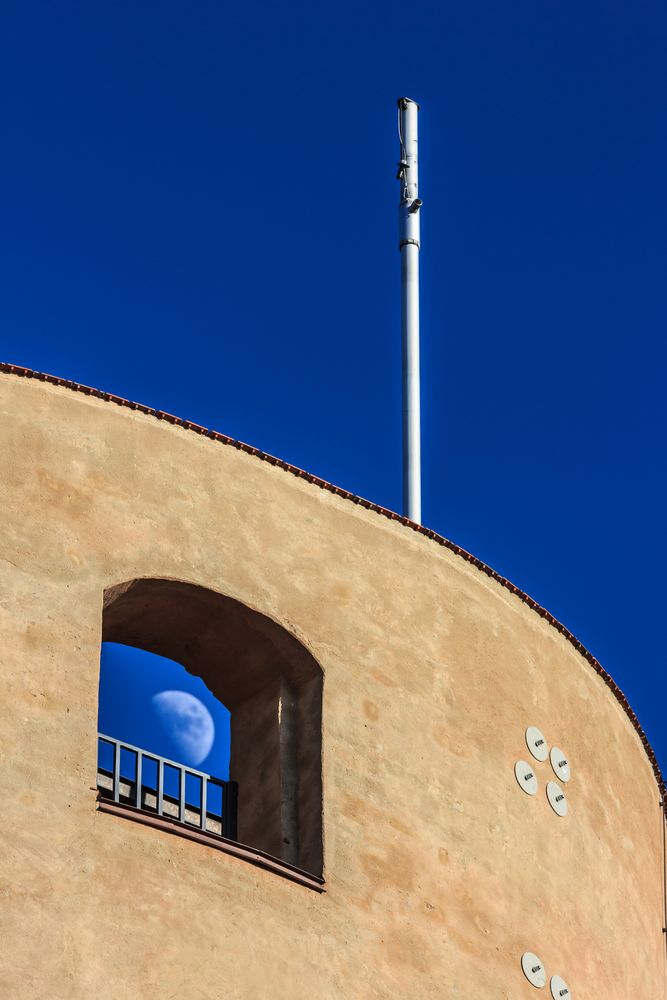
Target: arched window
(272, 687)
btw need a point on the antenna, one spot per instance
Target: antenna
(408, 244)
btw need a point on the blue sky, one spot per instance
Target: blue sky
(199, 212)
(133, 683)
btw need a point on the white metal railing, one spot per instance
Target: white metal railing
(142, 794)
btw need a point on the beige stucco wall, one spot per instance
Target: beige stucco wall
(440, 871)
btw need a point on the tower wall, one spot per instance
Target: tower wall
(439, 871)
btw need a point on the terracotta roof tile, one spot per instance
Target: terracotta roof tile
(10, 369)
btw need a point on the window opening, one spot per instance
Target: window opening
(156, 721)
(231, 743)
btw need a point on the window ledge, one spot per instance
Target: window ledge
(258, 858)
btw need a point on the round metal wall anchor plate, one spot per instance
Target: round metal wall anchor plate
(560, 764)
(533, 970)
(525, 776)
(559, 989)
(557, 799)
(536, 743)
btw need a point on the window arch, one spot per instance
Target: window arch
(272, 686)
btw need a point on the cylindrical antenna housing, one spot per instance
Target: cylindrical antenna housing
(408, 243)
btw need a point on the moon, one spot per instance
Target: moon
(187, 722)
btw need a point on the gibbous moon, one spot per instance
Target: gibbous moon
(187, 722)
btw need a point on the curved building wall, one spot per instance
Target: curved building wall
(440, 872)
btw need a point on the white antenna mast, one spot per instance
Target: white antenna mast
(408, 244)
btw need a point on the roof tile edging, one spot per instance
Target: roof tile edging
(10, 369)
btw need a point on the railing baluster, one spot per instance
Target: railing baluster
(160, 786)
(116, 771)
(181, 795)
(138, 777)
(202, 801)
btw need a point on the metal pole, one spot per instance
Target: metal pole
(408, 237)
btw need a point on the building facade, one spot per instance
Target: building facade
(381, 683)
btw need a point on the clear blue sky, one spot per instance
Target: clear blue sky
(199, 212)
(132, 682)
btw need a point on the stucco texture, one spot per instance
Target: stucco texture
(440, 872)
